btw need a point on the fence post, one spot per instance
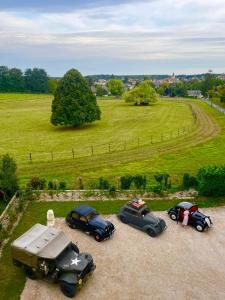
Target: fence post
(73, 153)
(31, 157)
(52, 155)
(92, 150)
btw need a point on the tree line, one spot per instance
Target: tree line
(13, 80)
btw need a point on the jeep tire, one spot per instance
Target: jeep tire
(68, 289)
(30, 273)
(123, 219)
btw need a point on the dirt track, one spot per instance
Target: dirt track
(181, 263)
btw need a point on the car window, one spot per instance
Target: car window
(75, 215)
(82, 218)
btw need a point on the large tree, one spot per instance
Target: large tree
(74, 103)
(142, 94)
(116, 87)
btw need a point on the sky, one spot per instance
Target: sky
(114, 36)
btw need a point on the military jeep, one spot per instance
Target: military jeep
(46, 253)
(137, 214)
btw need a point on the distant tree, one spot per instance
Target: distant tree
(142, 94)
(116, 87)
(74, 103)
(52, 85)
(208, 83)
(16, 81)
(221, 92)
(4, 78)
(8, 178)
(36, 80)
(100, 90)
(177, 90)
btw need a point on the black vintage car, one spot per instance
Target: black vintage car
(137, 214)
(195, 218)
(88, 220)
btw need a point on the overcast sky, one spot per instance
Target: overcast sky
(114, 36)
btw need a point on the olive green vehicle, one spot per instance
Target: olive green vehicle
(46, 253)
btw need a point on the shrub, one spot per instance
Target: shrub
(93, 184)
(211, 181)
(189, 182)
(112, 190)
(125, 182)
(80, 183)
(50, 185)
(163, 180)
(36, 183)
(62, 185)
(140, 181)
(103, 184)
(157, 188)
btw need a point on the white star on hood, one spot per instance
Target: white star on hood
(75, 261)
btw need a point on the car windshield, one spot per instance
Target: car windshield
(92, 215)
(145, 211)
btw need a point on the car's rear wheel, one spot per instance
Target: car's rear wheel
(30, 273)
(199, 227)
(75, 248)
(123, 219)
(173, 216)
(151, 232)
(68, 289)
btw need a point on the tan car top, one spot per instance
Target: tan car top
(42, 241)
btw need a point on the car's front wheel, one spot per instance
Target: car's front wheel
(68, 289)
(97, 237)
(151, 232)
(199, 227)
(173, 216)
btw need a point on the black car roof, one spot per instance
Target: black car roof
(185, 205)
(84, 210)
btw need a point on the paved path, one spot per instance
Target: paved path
(179, 264)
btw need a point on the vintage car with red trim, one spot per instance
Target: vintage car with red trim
(196, 218)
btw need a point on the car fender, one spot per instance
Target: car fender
(99, 232)
(70, 278)
(146, 227)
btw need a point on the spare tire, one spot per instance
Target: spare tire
(68, 289)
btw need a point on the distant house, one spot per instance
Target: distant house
(195, 93)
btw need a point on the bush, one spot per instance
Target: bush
(62, 185)
(103, 184)
(50, 185)
(140, 181)
(189, 182)
(36, 183)
(125, 182)
(157, 188)
(211, 181)
(163, 180)
(112, 190)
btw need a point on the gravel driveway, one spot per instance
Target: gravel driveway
(180, 264)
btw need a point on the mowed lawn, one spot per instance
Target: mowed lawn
(26, 128)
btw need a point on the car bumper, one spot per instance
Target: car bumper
(108, 235)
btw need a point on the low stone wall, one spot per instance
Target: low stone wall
(9, 212)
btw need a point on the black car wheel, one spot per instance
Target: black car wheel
(30, 273)
(68, 289)
(123, 219)
(173, 216)
(151, 232)
(75, 248)
(73, 226)
(199, 227)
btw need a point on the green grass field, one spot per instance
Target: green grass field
(12, 279)
(25, 128)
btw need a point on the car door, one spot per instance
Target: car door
(83, 223)
(75, 219)
(133, 217)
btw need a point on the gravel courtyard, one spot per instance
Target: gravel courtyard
(180, 264)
